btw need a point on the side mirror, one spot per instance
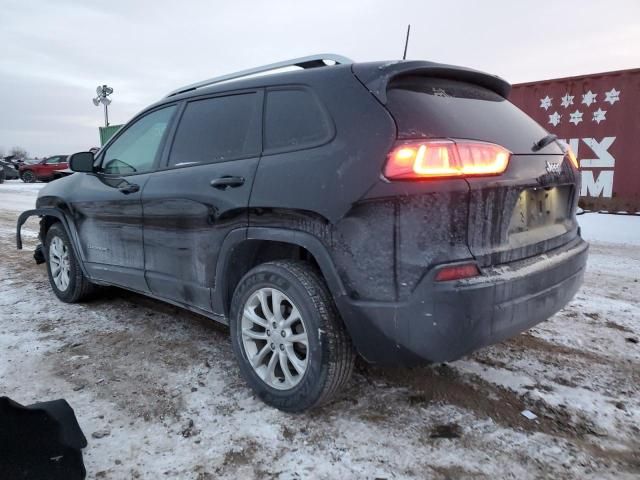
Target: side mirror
(81, 162)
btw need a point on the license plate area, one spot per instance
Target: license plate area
(540, 207)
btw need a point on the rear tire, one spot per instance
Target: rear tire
(301, 350)
(65, 274)
(28, 176)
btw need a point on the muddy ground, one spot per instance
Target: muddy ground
(158, 394)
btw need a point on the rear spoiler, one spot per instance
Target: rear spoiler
(376, 76)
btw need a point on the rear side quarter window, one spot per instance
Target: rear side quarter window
(294, 119)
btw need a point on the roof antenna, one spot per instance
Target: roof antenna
(406, 43)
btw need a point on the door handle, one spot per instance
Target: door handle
(129, 188)
(225, 182)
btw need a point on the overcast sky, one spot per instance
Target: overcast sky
(53, 53)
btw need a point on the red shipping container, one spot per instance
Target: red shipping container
(599, 116)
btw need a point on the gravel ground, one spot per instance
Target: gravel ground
(158, 394)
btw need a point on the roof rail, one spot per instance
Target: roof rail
(312, 61)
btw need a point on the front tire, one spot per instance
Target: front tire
(291, 345)
(28, 176)
(65, 274)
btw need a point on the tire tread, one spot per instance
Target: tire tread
(342, 356)
(338, 352)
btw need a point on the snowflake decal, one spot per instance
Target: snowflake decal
(576, 117)
(589, 98)
(567, 100)
(555, 118)
(545, 102)
(599, 116)
(612, 96)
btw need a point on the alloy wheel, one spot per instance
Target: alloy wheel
(59, 262)
(274, 338)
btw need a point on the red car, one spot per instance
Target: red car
(44, 170)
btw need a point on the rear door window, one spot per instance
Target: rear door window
(218, 129)
(294, 119)
(442, 108)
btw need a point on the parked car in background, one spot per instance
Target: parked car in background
(10, 171)
(43, 170)
(62, 173)
(15, 161)
(405, 211)
(28, 161)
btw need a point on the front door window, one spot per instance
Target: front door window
(135, 150)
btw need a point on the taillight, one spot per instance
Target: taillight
(573, 158)
(445, 158)
(457, 272)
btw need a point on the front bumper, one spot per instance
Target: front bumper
(444, 321)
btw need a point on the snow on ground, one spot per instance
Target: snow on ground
(599, 227)
(17, 196)
(162, 386)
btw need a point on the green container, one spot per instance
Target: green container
(107, 132)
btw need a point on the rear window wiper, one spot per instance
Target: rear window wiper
(544, 141)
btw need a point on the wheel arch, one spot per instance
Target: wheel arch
(245, 248)
(48, 217)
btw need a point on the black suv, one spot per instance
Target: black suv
(404, 211)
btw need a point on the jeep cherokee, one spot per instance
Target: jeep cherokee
(404, 211)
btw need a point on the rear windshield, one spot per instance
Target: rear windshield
(442, 108)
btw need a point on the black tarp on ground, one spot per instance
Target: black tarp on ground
(40, 441)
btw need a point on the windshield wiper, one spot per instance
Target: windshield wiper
(543, 142)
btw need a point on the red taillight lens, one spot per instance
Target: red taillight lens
(445, 158)
(572, 158)
(457, 272)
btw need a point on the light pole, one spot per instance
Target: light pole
(103, 92)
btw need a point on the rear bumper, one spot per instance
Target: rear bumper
(444, 321)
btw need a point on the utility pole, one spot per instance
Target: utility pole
(406, 42)
(103, 91)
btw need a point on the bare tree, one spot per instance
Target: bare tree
(2, 155)
(19, 152)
